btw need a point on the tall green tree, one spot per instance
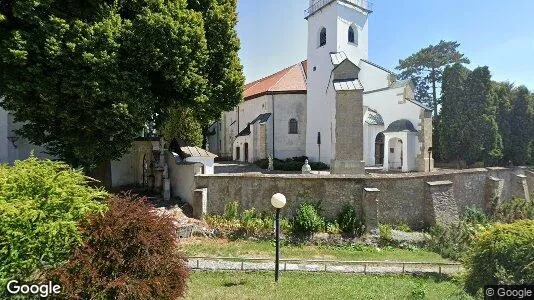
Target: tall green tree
(452, 125)
(183, 125)
(481, 137)
(84, 76)
(426, 67)
(223, 69)
(502, 93)
(520, 135)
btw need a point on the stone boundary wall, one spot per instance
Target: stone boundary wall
(403, 197)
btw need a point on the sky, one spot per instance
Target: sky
(494, 33)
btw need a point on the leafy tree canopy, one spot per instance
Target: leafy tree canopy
(85, 76)
(425, 68)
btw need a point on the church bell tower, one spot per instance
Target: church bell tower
(337, 30)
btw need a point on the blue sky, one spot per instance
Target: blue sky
(496, 33)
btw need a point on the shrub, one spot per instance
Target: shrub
(129, 253)
(454, 241)
(231, 210)
(515, 209)
(291, 164)
(349, 222)
(307, 220)
(501, 254)
(332, 227)
(403, 226)
(385, 235)
(41, 202)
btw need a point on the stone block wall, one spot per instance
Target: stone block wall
(403, 197)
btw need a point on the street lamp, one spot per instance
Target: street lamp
(278, 201)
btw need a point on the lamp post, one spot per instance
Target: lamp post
(278, 201)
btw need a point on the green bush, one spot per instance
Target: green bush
(129, 252)
(502, 254)
(385, 235)
(454, 241)
(231, 210)
(307, 219)
(515, 209)
(291, 164)
(348, 221)
(41, 202)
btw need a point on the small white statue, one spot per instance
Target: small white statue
(271, 164)
(306, 168)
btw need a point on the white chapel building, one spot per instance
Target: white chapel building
(292, 112)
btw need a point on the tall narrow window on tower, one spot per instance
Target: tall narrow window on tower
(322, 37)
(353, 35)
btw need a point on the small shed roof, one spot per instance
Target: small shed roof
(347, 85)
(193, 151)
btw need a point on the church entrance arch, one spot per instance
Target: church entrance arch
(379, 149)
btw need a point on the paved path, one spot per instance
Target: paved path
(362, 267)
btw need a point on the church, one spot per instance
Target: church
(294, 112)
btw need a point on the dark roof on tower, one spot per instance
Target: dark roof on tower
(259, 119)
(401, 125)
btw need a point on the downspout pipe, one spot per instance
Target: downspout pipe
(272, 101)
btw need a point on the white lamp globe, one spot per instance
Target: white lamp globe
(278, 200)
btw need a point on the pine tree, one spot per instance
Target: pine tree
(452, 112)
(520, 135)
(481, 136)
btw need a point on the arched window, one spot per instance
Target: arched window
(322, 37)
(293, 126)
(353, 35)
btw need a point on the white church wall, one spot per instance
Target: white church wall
(286, 107)
(250, 109)
(386, 103)
(372, 78)
(228, 133)
(320, 98)
(348, 16)
(22, 148)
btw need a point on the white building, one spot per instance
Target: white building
(288, 113)
(12, 146)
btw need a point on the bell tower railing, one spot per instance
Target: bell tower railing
(364, 5)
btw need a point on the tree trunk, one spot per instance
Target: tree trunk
(434, 96)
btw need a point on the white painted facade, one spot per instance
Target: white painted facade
(12, 146)
(392, 100)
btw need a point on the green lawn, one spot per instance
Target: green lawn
(296, 285)
(265, 249)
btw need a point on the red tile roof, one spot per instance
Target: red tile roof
(291, 80)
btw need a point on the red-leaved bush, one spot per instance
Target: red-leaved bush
(129, 252)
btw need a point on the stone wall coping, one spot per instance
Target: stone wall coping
(438, 183)
(371, 190)
(368, 176)
(496, 168)
(520, 176)
(492, 178)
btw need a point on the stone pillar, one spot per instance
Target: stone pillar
(385, 165)
(200, 201)
(519, 187)
(441, 207)
(425, 141)
(493, 193)
(370, 209)
(348, 157)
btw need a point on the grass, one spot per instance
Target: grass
(298, 285)
(265, 249)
